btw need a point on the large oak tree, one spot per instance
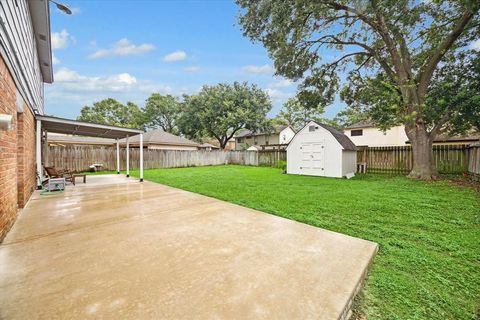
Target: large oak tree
(161, 111)
(222, 110)
(110, 111)
(404, 41)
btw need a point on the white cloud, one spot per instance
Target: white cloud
(283, 83)
(175, 56)
(123, 47)
(76, 90)
(276, 94)
(55, 60)
(73, 81)
(60, 39)
(265, 69)
(475, 45)
(191, 69)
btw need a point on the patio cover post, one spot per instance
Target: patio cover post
(38, 154)
(45, 150)
(128, 157)
(118, 157)
(141, 157)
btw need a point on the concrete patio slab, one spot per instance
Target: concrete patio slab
(115, 250)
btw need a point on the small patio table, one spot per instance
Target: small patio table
(79, 175)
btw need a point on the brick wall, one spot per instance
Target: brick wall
(17, 154)
(25, 156)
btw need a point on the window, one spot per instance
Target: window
(240, 140)
(312, 128)
(355, 133)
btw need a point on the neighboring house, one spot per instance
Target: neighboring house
(207, 147)
(230, 144)
(321, 150)
(277, 139)
(159, 139)
(365, 134)
(25, 65)
(64, 140)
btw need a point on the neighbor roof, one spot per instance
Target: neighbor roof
(344, 141)
(208, 145)
(248, 133)
(159, 136)
(361, 124)
(69, 139)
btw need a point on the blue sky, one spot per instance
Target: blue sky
(129, 49)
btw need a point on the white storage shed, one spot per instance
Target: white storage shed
(321, 150)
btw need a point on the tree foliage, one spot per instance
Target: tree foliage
(453, 97)
(111, 112)
(162, 111)
(296, 114)
(395, 44)
(221, 110)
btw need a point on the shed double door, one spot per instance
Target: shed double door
(313, 158)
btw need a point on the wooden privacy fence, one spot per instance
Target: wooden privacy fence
(79, 158)
(448, 158)
(474, 161)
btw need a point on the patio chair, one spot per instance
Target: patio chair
(52, 172)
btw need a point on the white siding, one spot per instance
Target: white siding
(374, 137)
(286, 135)
(18, 50)
(349, 162)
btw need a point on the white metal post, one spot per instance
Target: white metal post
(141, 157)
(38, 155)
(128, 158)
(45, 150)
(118, 157)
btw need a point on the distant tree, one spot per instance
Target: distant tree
(110, 111)
(222, 110)
(297, 114)
(162, 111)
(349, 116)
(403, 42)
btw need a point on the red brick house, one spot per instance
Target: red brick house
(25, 65)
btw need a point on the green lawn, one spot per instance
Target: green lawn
(428, 266)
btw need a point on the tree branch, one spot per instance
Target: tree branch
(373, 52)
(425, 76)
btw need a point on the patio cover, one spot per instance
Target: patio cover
(81, 128)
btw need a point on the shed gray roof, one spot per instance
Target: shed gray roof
(344, 141)
(248, 133)
(159, 136)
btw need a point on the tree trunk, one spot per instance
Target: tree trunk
(422, 149)
(223, 143)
